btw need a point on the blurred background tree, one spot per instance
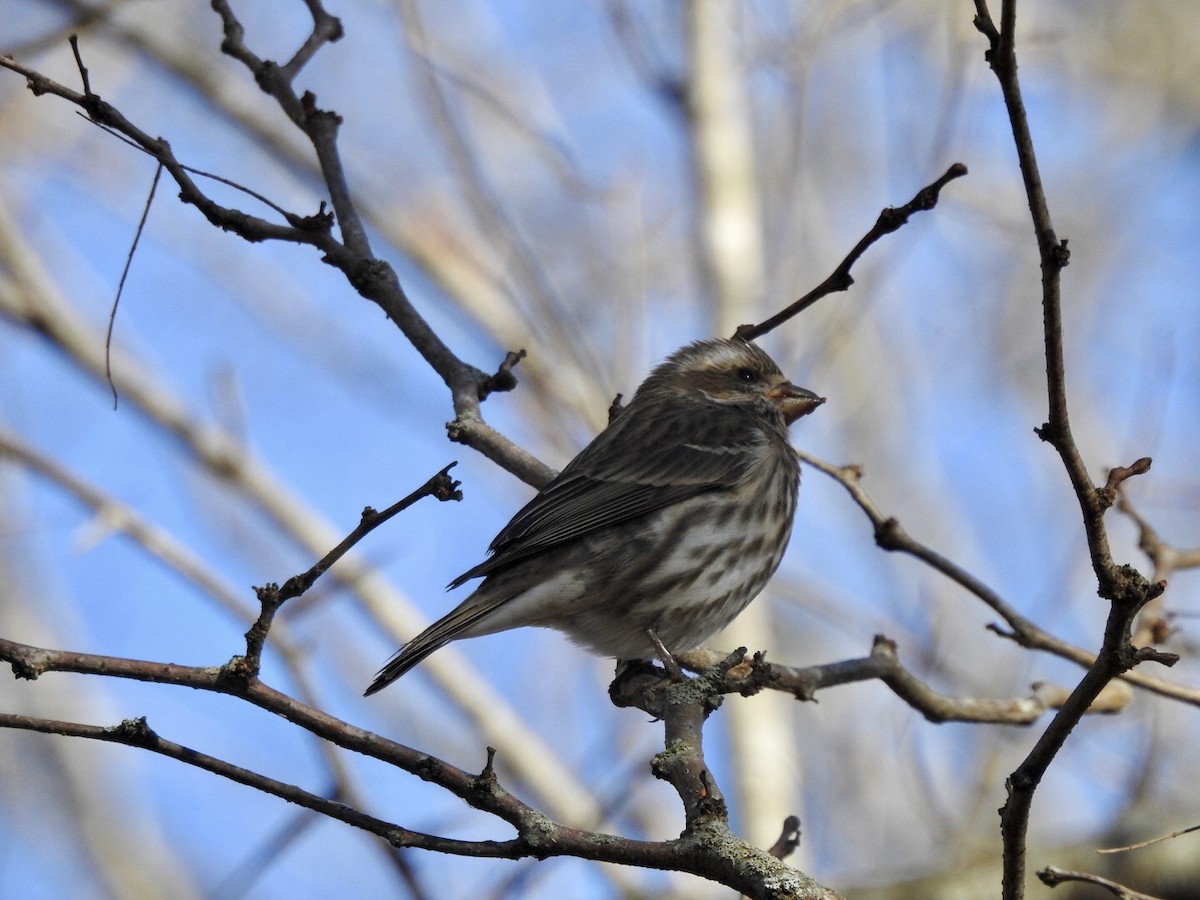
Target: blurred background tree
(596, 184)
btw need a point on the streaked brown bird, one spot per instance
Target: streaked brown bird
(661, 530)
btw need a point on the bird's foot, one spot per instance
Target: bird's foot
(639, 683)
(673, 670)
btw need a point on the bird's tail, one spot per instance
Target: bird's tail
(406, 657)
(450, 627)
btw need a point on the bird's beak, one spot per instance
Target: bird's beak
(793, 401)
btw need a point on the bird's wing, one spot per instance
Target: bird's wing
(647, 459)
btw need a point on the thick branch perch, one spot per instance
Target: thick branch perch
(707, 849)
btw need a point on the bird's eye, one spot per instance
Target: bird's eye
(747, 375)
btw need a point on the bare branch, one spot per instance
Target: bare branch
(137, 733)
(215, 451)
(441, 486)
(890, 219)
(890, 535)
(320, 126)
(788, 840)
(1053, 877)
(374, 279)
(1127, 588)
(251, 228)
(883, 664)
(1120, 583)
(271, 596)
(706, 848)
(1162, 837)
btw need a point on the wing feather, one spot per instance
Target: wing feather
(649, 458)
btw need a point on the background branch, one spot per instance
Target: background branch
(1124, 586)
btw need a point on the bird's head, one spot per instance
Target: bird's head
(734, 373)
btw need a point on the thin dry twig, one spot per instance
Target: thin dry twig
(137, 733)
(890, 219)
(440, 486)
(1052, 876)
(112, 315)
(271, 596)
(1155, 840)
(789, 839)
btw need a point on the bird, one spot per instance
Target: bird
(661, 530)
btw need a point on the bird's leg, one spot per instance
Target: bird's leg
(664, 654)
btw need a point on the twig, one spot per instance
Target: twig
(271, 596)
(320, 126)
(1053, 877)
(1118, 476)
(223, 457)
(319, 220)
(789, 839)
(1155, 840)
(441, 487)
(112, 314)
(890, 219)
(249, 227)
(73, 40)
(1116, 656)
(31, 662)
(883, 664)
(1119, 583)
(504, 379)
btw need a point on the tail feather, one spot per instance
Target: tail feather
(405, 658)
(446, 629)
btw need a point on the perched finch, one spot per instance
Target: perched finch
(661, 530)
